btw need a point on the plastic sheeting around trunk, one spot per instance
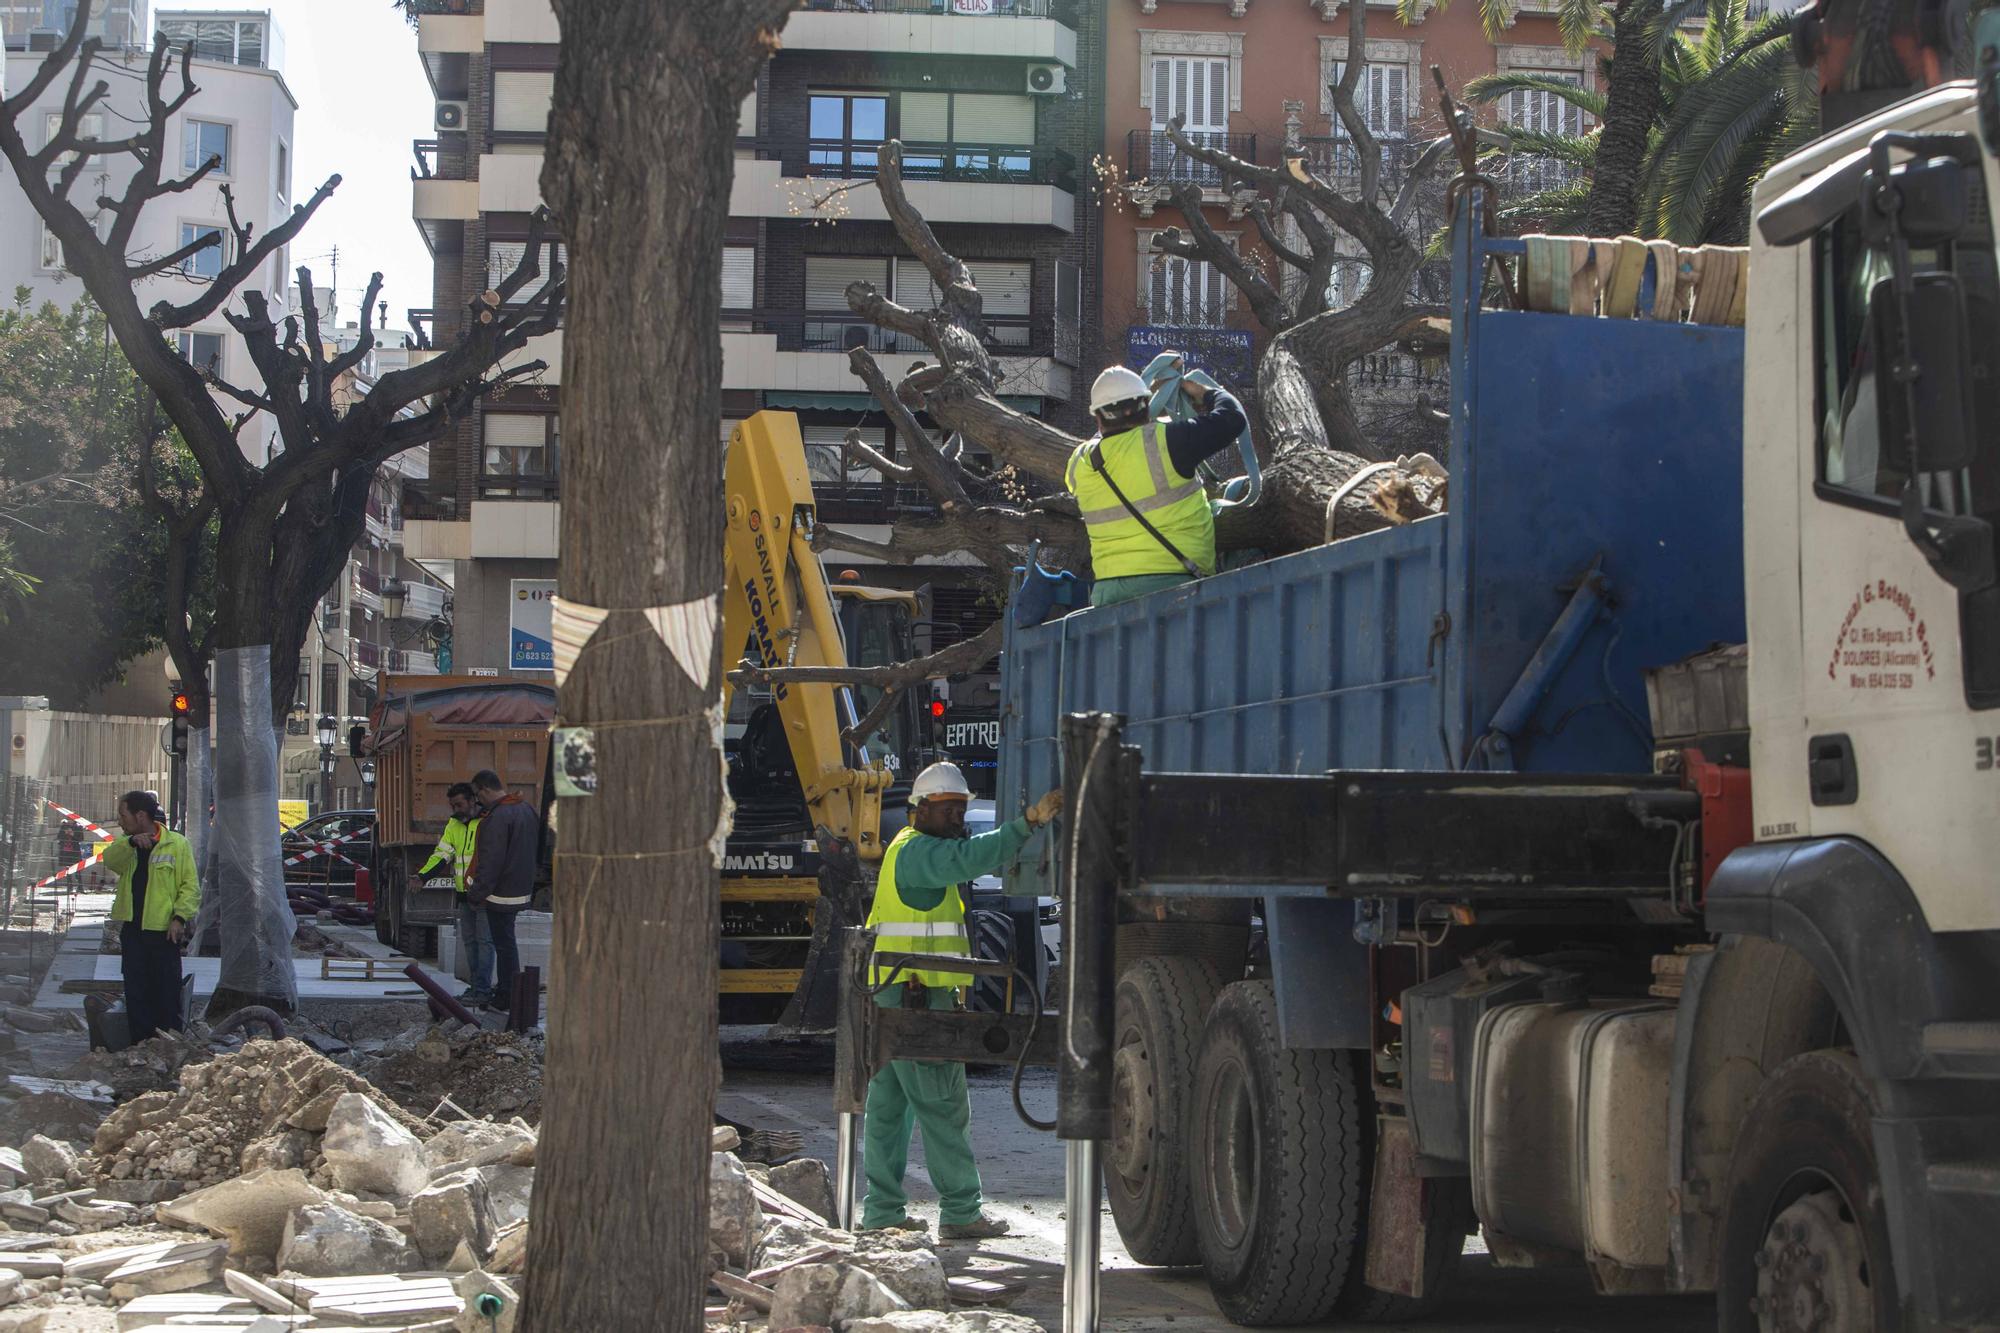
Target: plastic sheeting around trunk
(201, 792)
(254, 914)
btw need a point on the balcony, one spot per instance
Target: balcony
(1014, 29)
(1333, 157)
(807, 353)
(1150, 156)
(1026, 187)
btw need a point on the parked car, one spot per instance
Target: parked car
(335, 871)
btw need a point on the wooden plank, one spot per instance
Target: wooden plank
(756, 1297)
(775, 1202)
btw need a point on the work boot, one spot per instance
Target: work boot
(983, 1227)
(903, 1224)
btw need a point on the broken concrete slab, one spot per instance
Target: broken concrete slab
(141, 1191)
(44, 1158)
(805, 1181)
(941, 1321)
(94, 1216)
(478, 1317)
(97, 1266)
(313, 1115)
(367, 1150)
(470, 1143)
(511, 1188)
(177, 1268)
(917, 1276)
(830, 1295)
(455, 1210)
(33, 1264)
(510, 1250)
(249, 1212)
(180, 1308)
(29, 1020)
(324, 1240)
(260, 1295)
(382, 1298)
(734, 1217)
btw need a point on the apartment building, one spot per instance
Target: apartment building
(243, 115)
(997, 105)
(1250, 76)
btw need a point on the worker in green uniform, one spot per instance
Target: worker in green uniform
(918, 909)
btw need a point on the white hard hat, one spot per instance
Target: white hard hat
(940, 779)
(1116, 387)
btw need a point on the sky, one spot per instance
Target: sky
(352, 67)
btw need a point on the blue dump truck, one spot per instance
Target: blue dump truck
(1418, 883)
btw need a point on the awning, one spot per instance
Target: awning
(862, 402)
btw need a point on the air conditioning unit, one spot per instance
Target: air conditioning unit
(451, 115)
(1047, 80)
(44, 39)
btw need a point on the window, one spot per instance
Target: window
(1005, 284)
(503, 257)
(230, 41)
(1545, 113)
(847, 131)
(201, 140)
(969, 127)
(739, 277)
(283, 175)
(520, 447)
(521, 99)
(826, 455)
(207, 263)
(203, 351)
(1186, 293)
(1381, 96)
(91, 126)
(1196, 87)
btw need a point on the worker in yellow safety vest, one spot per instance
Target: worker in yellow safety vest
(918, 910)
(158, 895)
(454, 851)
(1147, 515)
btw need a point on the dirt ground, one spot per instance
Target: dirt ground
(1023, 1175)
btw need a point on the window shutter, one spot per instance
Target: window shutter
(996, 118)
(827, 277)
(1069, 290)
(1218, 94)
(1005, 285)
(521, 100)
(926, 117)
(52, 255)
(739, 277)
(502, 257)
(514, 443)
(1180, 99)
(1397, 122)
(914, 287)
(1163, 93)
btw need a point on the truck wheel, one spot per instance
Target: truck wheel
(1805, 1235)
(385, 911)
(1275, 1146)
(1161, 1002)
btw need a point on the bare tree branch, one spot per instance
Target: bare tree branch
(944, 481)
(961, 657)
(858, 450)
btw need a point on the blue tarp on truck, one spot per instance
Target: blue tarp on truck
(1594, 529)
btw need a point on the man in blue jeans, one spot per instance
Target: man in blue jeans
(454, 851)
(502, 878)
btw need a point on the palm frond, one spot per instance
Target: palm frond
(1722, 30)
(1736, 106)
(1666, 28)
(1577, 150)
(1492, 87)
(1578, 21)
(1561, 210)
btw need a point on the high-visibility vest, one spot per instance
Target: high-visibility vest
(1120, 547)
(900, 928)
(454, 849)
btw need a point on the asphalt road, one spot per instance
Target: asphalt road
(1023, 1175)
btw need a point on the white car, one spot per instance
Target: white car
(988, 891)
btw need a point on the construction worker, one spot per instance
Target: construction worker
(454, 849)
(1148, 518)
(918, 909)
(501, 878)
(158, 892)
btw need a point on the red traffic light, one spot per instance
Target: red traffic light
(937, 708)
(180, 703)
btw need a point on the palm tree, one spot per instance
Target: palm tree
(1730, 103)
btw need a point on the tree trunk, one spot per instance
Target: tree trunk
(639, 167)
(1632, 102)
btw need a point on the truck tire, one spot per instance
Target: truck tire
(1804, 1224)
(1277, 1165)
(385, 909)
(1161, 1004)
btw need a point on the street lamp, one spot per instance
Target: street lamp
(329, 732)
(395, 598)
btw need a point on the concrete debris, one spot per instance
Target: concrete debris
(917, 1276)
(249, 1212)
(368, 1151)
(484, 1072)
(734, 1218)
(830, 1294)
(44, 1158)
(94, 1216)
(29, 1020)
(510, 1250)
(785, 1241)
(470, 1143)
(470, 1287)
(805, 1181)
(454, 1211)
(940, 1321)
(168, 1268)
(510, 1188)
(260, 1295)
(325, 1240)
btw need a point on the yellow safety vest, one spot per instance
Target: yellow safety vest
(1138, 460)
(900, 928)
(454, 849)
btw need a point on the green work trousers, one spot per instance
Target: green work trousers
(1110, 592)
(931, 1097)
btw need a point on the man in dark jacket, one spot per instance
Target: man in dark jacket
(502, 878)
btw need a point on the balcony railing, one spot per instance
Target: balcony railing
(1063, 11)
(992, 164)
(537, 486)
(1151, 156)
(833, 331)
(423, 325)
(1334, 157)
(428, 153)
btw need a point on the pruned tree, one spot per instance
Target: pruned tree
(1312, 443)
(283, 526)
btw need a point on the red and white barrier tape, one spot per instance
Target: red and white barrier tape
(318, 848)
(103, 834)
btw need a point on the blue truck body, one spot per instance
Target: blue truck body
(1594, 529)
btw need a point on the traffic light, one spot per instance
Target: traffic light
(936, 711)
(178, 744)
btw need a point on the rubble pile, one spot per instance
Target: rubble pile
(263, 1106)
(778, 1265)
(146, 1066)
(482, 1072)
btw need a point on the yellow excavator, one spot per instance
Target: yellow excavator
(808, 832)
